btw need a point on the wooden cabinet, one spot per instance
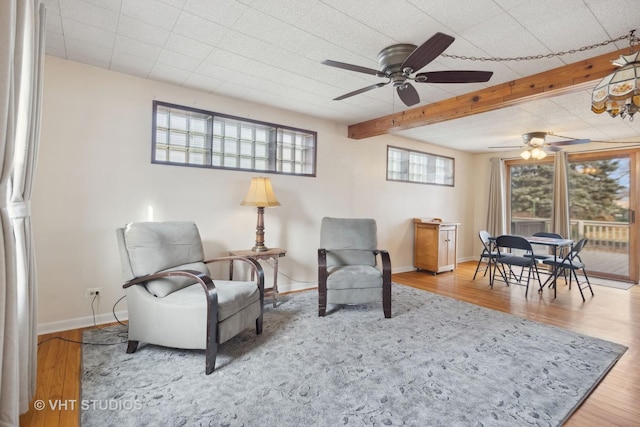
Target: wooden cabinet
(435, 245)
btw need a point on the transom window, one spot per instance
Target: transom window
(415, 166)
(191, 137)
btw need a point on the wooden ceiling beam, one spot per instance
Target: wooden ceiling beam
(566, 79)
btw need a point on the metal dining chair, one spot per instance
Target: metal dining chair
(508, 244)
(539, 255)
(487, 255)
(570, 264)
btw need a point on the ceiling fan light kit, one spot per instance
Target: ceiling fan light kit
(398, 62)
(535, 144)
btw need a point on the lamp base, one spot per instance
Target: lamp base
(259, 248)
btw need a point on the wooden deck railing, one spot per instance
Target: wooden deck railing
(603, 235)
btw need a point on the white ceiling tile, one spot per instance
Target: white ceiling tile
(136, 48)
(168, 73)
(152, 12)
(55, 45)
(270, 52)
(202, 82)
(53, 8)
(178, 60)
(224, 12)
(459, 18)
(92, 35)
(131, 64)
(141, 31)
(288, 11)
(402, 22)
(344, 31)
(81, 51)
(112, 5)
(89, 14)
(187, 46)
(54, 24)
(197, 28)
(175, 3)
(617, 16)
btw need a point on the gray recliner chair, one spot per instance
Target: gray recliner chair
(171, 297)
(347, 268)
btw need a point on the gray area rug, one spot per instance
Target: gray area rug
(437, 362)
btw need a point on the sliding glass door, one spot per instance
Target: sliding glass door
(603, 202)
(603, 199)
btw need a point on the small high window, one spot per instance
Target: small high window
(191, 137)
(415, 166)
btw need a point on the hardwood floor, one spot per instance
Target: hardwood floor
(612, 314)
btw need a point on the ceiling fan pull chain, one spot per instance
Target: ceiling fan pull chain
(633, 41)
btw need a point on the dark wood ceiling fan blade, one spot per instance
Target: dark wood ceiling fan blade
(352, 67)
(452, 76)
(427, 51)
(408, 94)
(359, 91)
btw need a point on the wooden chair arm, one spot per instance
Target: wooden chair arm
(254, 264)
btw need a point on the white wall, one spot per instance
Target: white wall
(94, 175)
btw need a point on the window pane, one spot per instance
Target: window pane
(260, 164)
(197, 158)
(178, 156)
(161, 155)
(246, 133)
(246, 163)
(162, 118)
(162, 136)
(197, 141)
(246, 148)
(217, 145)
(178, 121)
(419, 167)
(197, 137)
(531, 198)
(178, 138)
(230, 146)
(261, 150)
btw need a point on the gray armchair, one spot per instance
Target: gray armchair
(171, 297)
(347, 267)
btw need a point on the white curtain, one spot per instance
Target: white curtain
(21, 62)
(560, 212)
(496, 213)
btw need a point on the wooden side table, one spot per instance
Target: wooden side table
(273, 253)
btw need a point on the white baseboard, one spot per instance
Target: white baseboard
(80, 322)
(101, 319)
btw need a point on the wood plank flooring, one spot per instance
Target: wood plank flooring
(611, 314)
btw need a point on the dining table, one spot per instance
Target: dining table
(557, 246)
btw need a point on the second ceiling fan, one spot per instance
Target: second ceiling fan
(398, 62)
(535, 143)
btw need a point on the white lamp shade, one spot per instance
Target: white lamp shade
(260, 194)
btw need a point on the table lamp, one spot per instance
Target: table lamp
(261, 195)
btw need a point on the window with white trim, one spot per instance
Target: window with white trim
(416, 166)
(192, 137)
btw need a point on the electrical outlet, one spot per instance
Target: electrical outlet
(92, 292)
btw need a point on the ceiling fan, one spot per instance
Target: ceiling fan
(538, 140)
(398, 62)
(535, 143)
